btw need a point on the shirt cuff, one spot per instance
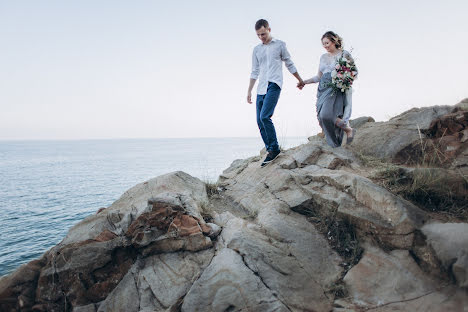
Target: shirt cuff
(292, 69)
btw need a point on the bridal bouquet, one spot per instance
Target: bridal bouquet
(343, 75)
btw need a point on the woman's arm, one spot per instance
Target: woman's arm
(317, 77)
(314, 79)
(348, 56)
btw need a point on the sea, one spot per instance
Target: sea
(46, 187)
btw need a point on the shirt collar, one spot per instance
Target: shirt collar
(272, 40)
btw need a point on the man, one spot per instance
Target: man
(266, 63)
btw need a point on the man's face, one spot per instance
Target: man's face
(264, 34)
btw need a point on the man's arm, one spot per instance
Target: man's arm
(249, 92)
(298, 77)
(253, 76)
(286, 58)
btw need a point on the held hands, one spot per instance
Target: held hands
(301, 84)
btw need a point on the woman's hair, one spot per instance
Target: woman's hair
(337, 40)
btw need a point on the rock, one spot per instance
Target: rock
(124, 298)
(17, 290)
(431, 136)
(170, 276)
(460, 163)
(446, 299)
(380, 278)
(393, 140)
(439, 180)
(227, 284)
(164, 222)
(86, 308)
(176, 188)
(236, 167)
(463, 105)
(312, 186)
(157, 283)
(280, 237)
(88, 271)
(291, 258)
(393, 282)
(86, 267)
(214, 230)
(358, 122)
(453, 255)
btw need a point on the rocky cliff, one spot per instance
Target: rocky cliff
(378, 225)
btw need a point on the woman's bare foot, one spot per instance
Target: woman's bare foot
(350, 133)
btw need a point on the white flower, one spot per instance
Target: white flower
(333, 74)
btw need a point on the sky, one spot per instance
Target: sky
(114, 69)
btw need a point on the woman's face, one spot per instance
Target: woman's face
(328, 45)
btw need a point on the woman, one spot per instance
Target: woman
(333, 108)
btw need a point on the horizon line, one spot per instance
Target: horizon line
(143, 138)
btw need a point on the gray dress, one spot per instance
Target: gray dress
(330, 105)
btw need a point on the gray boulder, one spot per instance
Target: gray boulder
(450, 242)
(393, 282)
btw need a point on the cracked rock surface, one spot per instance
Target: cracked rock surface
(312, 231)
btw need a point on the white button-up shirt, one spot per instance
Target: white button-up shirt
(266, 63)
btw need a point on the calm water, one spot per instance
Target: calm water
(48, 186)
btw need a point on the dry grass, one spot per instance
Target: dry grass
(337, 229)
(430, 153)
(341, 236)
(427, 188)
(212, 188)
(423, 181)
(206, 212)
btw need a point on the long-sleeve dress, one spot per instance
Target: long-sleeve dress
(331, 105)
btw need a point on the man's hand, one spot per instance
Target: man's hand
(249, 90)
(301, 83)
(249, 97)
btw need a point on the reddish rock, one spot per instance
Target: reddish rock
(17, 291)
(168, 219)
(184, 225)
(105, 236)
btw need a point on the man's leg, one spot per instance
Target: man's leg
(259, 121)
(269, 103)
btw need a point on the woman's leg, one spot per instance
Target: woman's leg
(344, 125)
(348, 105)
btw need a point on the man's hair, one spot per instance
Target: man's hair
(261, 23)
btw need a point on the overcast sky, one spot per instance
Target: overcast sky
(163, 69)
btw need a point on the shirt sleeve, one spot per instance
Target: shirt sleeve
(255, 66)
(286, 58)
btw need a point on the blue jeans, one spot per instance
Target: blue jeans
(266, 104)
